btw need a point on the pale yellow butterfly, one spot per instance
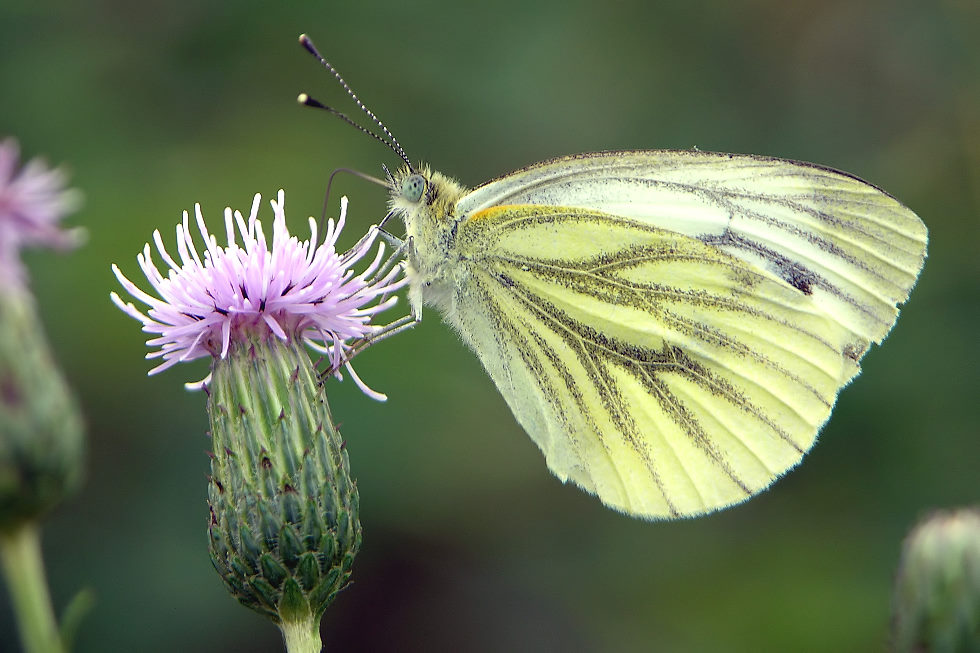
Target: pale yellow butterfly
(671, 328)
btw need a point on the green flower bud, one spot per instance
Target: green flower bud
(284, 525)
(41, 442)
(937, 591)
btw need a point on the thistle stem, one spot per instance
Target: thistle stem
(23, 568)
(302, 636)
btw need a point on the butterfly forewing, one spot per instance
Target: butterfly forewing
(828, 234)
(653, 369)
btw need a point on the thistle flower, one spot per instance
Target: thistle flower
(283, 519)
(33, 201)
(40, 425)
(41, 442)
(292, 290)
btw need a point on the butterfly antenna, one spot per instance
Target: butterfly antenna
(308, 101)
(392, 142)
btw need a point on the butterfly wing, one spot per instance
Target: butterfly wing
(676, 371)
(850, 245)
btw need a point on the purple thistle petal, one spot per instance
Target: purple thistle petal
(291, 290)
(33, 201)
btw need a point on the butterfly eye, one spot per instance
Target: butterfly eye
(413, 187)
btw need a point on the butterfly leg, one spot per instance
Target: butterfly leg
(402, 249)
(393, 240)
(415, 288)
(395, 258)
(357, 346)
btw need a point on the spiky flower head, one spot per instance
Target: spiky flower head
(291, 290)
(937, 588)
(283, 519)
(33, 201)
(41, 443)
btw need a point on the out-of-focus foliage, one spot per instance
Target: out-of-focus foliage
(469, 542)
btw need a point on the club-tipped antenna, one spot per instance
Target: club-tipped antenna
(308, 101)
(391, 142)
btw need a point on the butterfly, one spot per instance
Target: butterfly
(671, 328)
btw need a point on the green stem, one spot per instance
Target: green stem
(302, 636)
(20, 554)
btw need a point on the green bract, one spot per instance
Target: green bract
(937, 588)
(41, 440)
(284, 525)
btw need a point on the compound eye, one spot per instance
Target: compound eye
(412, 188)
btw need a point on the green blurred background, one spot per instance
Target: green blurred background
(469, 543)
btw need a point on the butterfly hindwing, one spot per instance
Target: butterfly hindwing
(653, 369)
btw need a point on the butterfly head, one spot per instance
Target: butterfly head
(413, 187)
(423, 194)
(410, 189)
